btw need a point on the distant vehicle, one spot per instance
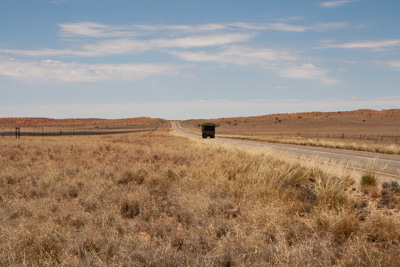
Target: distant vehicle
(208, 129)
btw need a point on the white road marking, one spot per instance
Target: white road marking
(388, 167)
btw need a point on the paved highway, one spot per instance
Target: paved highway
(386, 166)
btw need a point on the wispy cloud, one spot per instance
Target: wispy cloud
(321, 26)
(282, 87)
(365, 45)
(325, 26)
(92, 29)
(131, 46)
(285, 27)
(394, 64)
(222, 43)
(307, 71)
(131, 39)
(241, 55)
(281, 62)
(118, 40)
(293, 18)
(123, 46)
(97, 30)
(331, 4)
(49, 52)
(57, 71)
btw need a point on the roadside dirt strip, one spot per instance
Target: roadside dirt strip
(385, 166)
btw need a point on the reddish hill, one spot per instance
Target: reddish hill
(71, 122)
(364, 112)
(355, 124)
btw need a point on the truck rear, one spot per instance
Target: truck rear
(208, 129)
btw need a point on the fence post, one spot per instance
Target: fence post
(17, 132)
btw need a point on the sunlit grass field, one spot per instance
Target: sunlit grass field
(361, 130)
(158, 199)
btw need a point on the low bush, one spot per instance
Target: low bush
(368, 180)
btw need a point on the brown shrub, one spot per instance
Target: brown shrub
(129, 208)
(345, 228)
(136, 177)
(381, 228)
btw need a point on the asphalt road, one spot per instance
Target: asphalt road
(386, 166)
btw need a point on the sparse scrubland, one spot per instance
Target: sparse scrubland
(62, 127)
(357, 145)
(163, 200)
(361, 130)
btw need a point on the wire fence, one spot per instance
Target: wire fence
(19, 132)
(344, 136)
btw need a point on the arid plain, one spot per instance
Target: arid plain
(148, 197)
(364, 130)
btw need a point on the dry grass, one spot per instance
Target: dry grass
(349, 144)
(158, 199)
(362, 130)
(65, 127)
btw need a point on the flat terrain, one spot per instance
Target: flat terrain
(367, 130)
(352, 124)
(157, 199)
(151, 197)
(59, 127)
(385, 166)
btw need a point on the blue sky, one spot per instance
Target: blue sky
(183, 59)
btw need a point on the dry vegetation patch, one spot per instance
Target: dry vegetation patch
(361, 130)
(158, 199)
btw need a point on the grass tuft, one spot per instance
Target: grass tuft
(129, 208)
(368, 180)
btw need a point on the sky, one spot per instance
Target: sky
(192, 59)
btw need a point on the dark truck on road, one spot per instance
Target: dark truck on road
(208, 129)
